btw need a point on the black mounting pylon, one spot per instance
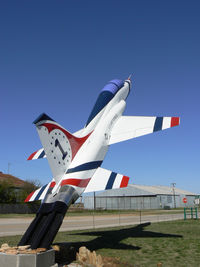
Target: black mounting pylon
(43, 229)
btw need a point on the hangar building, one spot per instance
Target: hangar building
(140, 197)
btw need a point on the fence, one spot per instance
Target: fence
(191, 213)
(19, 208)
(119, 218)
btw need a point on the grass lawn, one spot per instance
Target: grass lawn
(173, 243)
(101, 212)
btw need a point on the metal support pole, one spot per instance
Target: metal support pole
(118, 209)
(173, 190)
(191, 213)
(94, 201)
(196, 213)
(185, 216)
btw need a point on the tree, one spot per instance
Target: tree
(29, 186)
(13, 194)
(7, 193)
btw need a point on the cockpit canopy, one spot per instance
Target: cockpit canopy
(106, 94)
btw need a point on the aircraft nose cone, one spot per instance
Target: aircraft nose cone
(129, 82)
(129, 77)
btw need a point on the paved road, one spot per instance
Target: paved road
(17, 226)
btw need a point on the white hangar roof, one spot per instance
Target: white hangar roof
(138, 190)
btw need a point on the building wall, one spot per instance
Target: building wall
(137, 202)
(122, 202)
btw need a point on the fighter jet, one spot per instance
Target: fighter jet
(75, 159)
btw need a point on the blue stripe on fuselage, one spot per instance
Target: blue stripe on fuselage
(102, 101)
(158, 124)
(86, 166)
(107, 93)
(111, 180)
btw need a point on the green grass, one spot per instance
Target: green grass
(100, 212)
(173, 243)
(15, 215)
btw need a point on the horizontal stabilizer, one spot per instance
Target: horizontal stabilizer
(40, 193)
(128, 127)
(39, 154)
(104, 179)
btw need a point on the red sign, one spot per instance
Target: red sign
(184, 200)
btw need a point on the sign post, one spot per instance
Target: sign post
(185, 200)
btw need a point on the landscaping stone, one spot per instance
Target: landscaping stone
(85, 257)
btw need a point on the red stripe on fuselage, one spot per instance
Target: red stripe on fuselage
(124, 181)
(52, 184)
(76, 182)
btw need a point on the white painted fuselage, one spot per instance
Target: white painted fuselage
(96, 146)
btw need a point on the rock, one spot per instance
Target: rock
(23, 247)
(56, 247)
(85, 256)
(39, 250)
(5, 248)
(99, 261)
(11, 251)
(5, 245)
(32, 251)
(23, 251)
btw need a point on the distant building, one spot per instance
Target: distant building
(13, 193)
(12, 180)
(16, 185)
(140, 197)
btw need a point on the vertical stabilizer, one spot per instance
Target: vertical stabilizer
(60, 146)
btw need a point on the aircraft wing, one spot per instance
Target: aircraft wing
(128, 127)
(104, 179)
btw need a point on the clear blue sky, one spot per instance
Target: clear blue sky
(55, 56)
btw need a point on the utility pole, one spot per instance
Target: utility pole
(173, 190)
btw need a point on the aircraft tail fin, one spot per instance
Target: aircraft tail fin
(60, 146)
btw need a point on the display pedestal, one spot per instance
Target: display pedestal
(44, 259)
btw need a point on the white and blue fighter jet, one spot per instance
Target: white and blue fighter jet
(75, 159)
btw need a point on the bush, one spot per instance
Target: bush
(7, 193)
(29, 187)
(11, 194)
